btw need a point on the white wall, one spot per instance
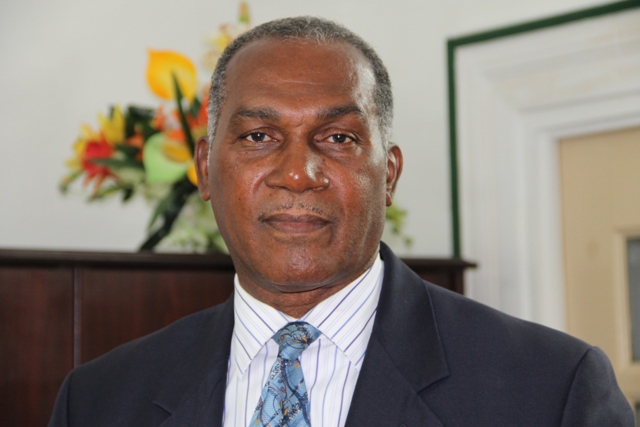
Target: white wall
(64, 61)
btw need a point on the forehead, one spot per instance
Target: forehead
(299, 70)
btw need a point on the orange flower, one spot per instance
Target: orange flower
(200, 119)
(160, 119)
(136, 140)
(198, 123)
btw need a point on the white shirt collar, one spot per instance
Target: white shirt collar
(341, 318)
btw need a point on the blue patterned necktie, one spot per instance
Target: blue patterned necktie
(284, 401)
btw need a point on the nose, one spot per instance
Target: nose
(297, 167)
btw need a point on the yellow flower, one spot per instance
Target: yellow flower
(112, 127)
(191, 174)
(175, 151)
(178, 153)
(219, 41)
(163, 65)
(86, 134)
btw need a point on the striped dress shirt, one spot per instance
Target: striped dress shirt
(331, 363)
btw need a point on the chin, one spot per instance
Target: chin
(300, 276)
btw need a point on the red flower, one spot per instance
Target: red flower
(96, 150)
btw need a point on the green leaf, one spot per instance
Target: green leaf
(107, 191)
(183, 119)
(140, 119)
(127, 193)
(67, 180)
(169, 208)
(396, 217)
(118, 163)
(160, 210)
(195, 107)
(128, 150)
(141, 114)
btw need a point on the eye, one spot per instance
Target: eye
(340, 138)
(257, 137)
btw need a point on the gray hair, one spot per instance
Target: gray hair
(311, 29)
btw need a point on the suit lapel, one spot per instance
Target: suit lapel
(404, 355)
(194, 392)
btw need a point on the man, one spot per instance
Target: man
(326, 326)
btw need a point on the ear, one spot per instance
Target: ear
(394, 170)
(202, 167)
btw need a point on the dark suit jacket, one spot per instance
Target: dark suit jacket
(434, 359)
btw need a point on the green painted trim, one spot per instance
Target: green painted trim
(545, 22)
(453, 152)
(454, 43)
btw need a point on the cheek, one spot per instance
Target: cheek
(372, 181)
(224, 189)
(364, 196)
(234, 188)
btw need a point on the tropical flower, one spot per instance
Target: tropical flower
(91, 147)
(168, 154)
(165, 66)
(149, 151)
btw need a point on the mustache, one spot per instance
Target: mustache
(282, 208)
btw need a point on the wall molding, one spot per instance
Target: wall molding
(511, 99)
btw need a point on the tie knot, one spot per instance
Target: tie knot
(294, 338)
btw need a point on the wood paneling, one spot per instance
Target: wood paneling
(60, 309)
(36, 341)
(124, 304)
(445, 272)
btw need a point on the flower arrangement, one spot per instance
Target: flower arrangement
(149, 151)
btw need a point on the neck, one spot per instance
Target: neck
(297, 300)
(292, 303)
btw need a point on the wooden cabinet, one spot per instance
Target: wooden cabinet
(61, 309)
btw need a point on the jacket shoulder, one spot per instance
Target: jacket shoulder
(503, 366)
(465, 322)
(121, 386)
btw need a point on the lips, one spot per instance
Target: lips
(295, 223)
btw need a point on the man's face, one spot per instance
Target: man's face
(298, 176)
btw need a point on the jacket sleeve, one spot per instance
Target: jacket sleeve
(594, 399)
(60, 416)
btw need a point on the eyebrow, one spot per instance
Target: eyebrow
(266, 113)
(271, 114)
(336, 112)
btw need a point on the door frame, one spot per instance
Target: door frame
(513, 93)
